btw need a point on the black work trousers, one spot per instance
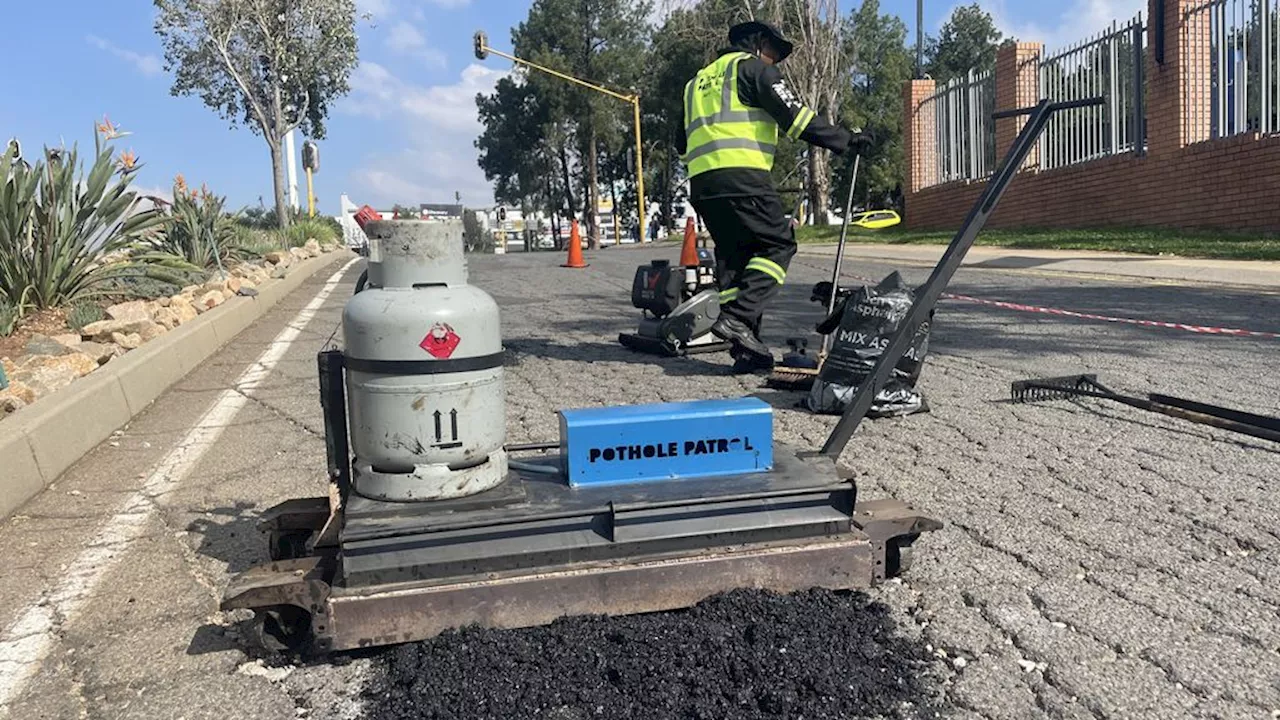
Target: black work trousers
(754, 242)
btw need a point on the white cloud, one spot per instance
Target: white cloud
(1077, 20)
(450, 4)
(451, 107)
(436, 155)
(148, 65)
(405, 39)
(165, 194)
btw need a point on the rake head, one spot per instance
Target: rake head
(798, 379)
(1060, 388)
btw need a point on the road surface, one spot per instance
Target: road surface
(1096, 561)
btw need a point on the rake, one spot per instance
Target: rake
(1075, 386)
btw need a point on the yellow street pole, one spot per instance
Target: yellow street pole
(482, 48)
(311, 196)
(639, 168)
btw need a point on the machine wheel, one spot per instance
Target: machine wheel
(898, 556)
(289, 545)
(364, 280)
(282, 628)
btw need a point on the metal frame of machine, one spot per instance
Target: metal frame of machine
(350, 572)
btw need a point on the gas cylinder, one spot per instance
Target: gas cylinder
(425, 394)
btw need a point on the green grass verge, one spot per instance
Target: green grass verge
(1145, 241)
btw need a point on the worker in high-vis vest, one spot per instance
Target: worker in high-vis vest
(735, 110)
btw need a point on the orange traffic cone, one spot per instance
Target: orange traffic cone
(575, 248)
(689, 256)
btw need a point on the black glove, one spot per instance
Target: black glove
(860, 141)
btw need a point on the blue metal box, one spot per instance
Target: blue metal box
(646, 443)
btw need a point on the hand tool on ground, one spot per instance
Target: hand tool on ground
(1080, 386)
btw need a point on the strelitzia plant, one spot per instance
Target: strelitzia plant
(58, 223)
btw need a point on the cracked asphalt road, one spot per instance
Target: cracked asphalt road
(1097, 562)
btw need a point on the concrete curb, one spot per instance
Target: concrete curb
(41, 442)
(1156, 268)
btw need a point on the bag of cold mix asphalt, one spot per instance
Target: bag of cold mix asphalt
(864, 324)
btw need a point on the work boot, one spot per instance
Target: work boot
(746, 363)
(733, 330)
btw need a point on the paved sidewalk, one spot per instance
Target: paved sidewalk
(1149, 267)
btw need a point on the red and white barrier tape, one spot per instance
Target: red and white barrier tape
(1199, 329)
(1017, 307)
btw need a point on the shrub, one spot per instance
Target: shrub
(261, 218)
(300, 232)
(256, 243)
(58, 225)
(8, 318)
(257, 218)
(83, 313)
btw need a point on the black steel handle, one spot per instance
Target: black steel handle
(931, 292)
(1053, 107)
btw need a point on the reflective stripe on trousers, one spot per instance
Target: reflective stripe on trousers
(768, 267)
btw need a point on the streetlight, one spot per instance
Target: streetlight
(482, 51)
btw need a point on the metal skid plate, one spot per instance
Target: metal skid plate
(534, 550)
(651, 345)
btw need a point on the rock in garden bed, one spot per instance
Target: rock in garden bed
(44, 354)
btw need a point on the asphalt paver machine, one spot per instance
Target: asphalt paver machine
(434, 521)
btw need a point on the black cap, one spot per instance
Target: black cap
(740, 32)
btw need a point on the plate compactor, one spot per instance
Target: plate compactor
(433, 522)
(678, 306)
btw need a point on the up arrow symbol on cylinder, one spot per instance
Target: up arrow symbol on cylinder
(453, 426)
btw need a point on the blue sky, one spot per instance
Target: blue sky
(404, 135)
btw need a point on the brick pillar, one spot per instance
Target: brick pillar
(1017, 86)
(920, 140)
(1178, 92)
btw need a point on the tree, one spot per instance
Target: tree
(603, 42)
(882, 64)
(680, 48)
(968, 41)
(475, 239)
(514, 119)
(273, 65)
(817, 71)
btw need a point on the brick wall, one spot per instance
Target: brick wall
(1182, 181)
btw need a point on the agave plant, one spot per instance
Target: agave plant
(58, 225)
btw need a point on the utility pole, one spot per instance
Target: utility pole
(293, 170)
(919, 39)
(482, 51)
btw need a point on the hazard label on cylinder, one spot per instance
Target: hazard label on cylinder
(441, 341)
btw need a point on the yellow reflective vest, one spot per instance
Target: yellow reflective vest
(721, 131)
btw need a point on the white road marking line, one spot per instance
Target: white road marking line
(27, 642)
